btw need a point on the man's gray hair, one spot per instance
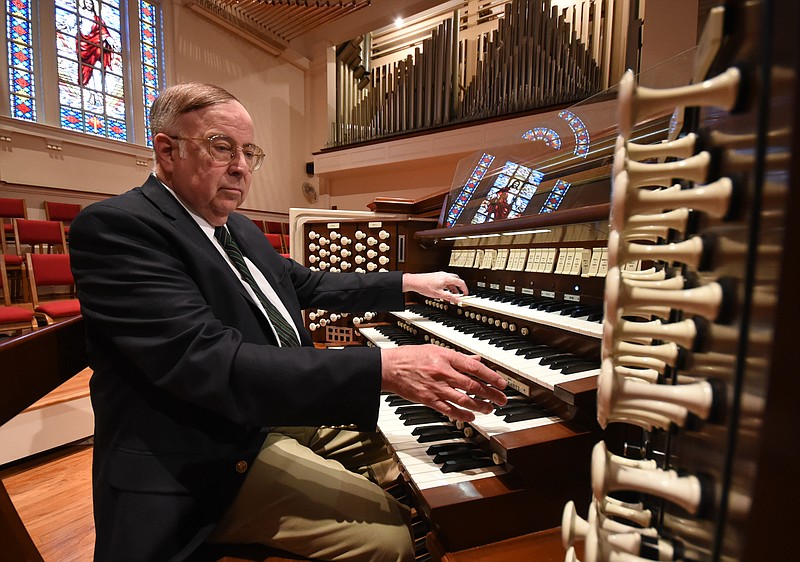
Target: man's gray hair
(181, 99)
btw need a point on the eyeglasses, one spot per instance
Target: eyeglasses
(223, 149)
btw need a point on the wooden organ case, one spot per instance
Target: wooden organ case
(695, 350)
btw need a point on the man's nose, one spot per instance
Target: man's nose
(239, 162)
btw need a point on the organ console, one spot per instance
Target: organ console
(526, 226)
(625, 279)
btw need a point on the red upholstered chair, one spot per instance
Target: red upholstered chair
(63, 212)
(14, 268)
(13, 319)
(275, 240)
(286, 243)
(52, 287)
(260, 224)
(274, 227)
(11, 209)
(39, 236)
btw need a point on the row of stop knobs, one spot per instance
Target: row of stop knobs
(320, 318)
(332, 253)
(643, 344)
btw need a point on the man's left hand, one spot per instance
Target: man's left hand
(440, 285)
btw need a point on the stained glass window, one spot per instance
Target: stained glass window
(510, 193)
(20, 59)
(468, 189)
(549, 136)
(556, 196)
(91, 86)
(99, 63)
(580, 130)
(149, 39)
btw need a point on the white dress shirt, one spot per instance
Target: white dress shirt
(262, 282)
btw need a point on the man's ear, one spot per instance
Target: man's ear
(165, 151)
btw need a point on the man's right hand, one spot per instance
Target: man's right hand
(450, 382)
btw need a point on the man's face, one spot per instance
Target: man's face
(211, 189)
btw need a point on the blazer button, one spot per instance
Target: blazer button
(241, 467)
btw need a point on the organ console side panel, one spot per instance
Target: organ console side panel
(356, 241)
(774, 489)
(772, 521)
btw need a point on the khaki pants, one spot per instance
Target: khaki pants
(315, 492)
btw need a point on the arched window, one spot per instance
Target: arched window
(91, 66)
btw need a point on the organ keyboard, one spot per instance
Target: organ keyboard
(549, 312)
(481, 481)
(529, 362)
(467, 478)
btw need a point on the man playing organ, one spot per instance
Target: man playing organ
(209, 396)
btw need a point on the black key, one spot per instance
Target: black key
(548, 359)
(531, 414)
(423, 418)
(531, 347)
(460, 466)
(536, 353)
(413, 409)
(445, 456)
(430, 433)
(559, 362)
(541, 305)
(558, 306)
(511, 408)
(442, 447)
(578, 368)
(515, 344)
(586, 311)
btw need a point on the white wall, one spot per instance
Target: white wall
(271, 89)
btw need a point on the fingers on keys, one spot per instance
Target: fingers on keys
(492, 382)
(454, 288)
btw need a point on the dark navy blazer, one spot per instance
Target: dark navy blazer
(187, 377)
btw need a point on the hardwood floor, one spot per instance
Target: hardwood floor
(52, 494)
(76, 387)
(544, 546)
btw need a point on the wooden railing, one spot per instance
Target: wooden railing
(33, 365)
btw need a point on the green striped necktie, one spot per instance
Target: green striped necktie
(282, 328)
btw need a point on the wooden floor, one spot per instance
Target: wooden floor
(52, 494)
(544, 546)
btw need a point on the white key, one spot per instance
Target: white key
(578, 325)
(530, 369)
